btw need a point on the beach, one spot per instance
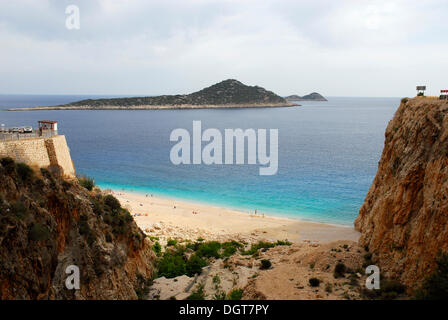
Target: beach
(183, 220)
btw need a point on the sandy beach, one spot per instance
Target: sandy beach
(167, 218)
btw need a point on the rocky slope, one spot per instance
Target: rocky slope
(48, 223)
(309, 97)
(404, 218)
(226, 94)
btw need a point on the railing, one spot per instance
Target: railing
(8, 136)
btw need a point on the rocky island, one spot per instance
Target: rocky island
(309, 97)
(225, 94)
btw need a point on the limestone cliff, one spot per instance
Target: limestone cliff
(48, 223)
(404, 218)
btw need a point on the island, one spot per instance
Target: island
(309, 97)
(229, 93)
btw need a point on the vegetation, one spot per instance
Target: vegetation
(314, 282)
(198, 294)
(8, 164)
(435, 286)
(175, 262)
(265, 264)
(24, 171)
(404, 100)
(235, 294)
(38, 232)
(225, 92)
(86, 182)
(157, 248)
(339, 270)
(264, 245)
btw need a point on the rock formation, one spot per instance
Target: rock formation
(48, 223)
(404, 218)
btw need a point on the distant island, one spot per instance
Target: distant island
(225, 94)
(309, 97)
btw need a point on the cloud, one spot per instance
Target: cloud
(347, 47)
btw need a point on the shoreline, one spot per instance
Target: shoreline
(179, 219)
(158, 107)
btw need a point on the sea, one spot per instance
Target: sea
(328, 153)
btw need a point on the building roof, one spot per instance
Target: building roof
(47, 121)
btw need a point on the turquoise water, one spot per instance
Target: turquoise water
(328, 153)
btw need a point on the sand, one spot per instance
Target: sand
(183, 220)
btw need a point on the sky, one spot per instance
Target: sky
(369, 48)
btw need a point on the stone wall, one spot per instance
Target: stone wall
(41, 152)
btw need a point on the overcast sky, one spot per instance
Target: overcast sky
(134, 47)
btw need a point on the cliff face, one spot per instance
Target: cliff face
(47, 224)
(404, 218)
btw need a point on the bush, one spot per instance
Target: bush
(435, 286)
(86, 182)
(8, 163)
(265, 264)
(339, 270)
(209, 249)
(404, 100)
(171, 266)
(257, 246)
(198, 294)
(38, 232)
(19, 209)
(420, 94)
(24, 171)
(112, 202)
(157, 248)
(171, 242)
(194, 265)
(314, 282)
(235, 294)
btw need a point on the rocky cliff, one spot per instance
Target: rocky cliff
(48, 223)
(404, 218)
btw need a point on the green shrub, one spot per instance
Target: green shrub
(235, 294)
(24, 171)
(194, 265)
(209, 249)
(171, 242)
(171, 266)
(19, 209)
(257, 246)
(283, 243)
(339, 270)
(112, 202)
(314, 282)
(404, 100)
(86, 182)
(9, 164)
(420, 94)
(157, 248)
(435, 286)
(198, 294)
(265, 264)
(38, 232)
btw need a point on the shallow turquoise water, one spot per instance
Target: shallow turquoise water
(328, 153)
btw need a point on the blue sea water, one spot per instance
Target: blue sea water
(328, 153)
